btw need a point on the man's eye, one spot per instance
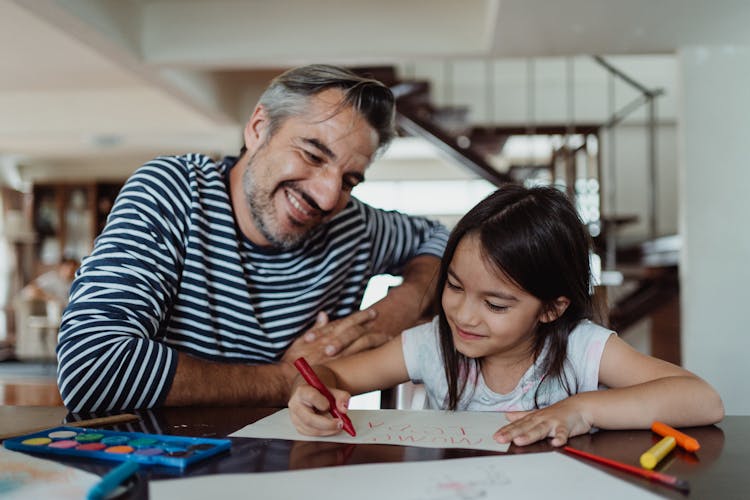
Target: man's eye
(312, 158)
(348, 184)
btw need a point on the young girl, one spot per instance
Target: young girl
(513, 334)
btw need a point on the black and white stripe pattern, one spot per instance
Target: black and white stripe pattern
(172, 272)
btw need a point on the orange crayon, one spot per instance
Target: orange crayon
(683, 440)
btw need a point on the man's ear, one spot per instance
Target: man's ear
(256, 128)
(557, 309)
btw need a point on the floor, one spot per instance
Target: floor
(28, 384)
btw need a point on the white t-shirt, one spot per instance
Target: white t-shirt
(421, 346)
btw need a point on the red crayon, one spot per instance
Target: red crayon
(659, 477)
(311, 378)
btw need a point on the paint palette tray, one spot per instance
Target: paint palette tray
(151, 449)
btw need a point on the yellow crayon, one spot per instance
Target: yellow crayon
(657, 452)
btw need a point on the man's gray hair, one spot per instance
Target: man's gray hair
(289, 93)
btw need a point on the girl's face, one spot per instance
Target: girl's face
(490, 317)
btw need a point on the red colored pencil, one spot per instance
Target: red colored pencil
(659, 477)
(311, 378)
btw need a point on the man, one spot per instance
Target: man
(210, 279)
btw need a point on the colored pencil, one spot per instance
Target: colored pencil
(93, 422)
(659, 477)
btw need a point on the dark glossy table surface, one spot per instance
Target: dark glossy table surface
(720, 469)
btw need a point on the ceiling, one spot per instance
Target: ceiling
(101, 84)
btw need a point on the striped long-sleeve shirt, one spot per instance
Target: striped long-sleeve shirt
(172, 272)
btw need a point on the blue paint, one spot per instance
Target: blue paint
(10, 482)
(176, 451)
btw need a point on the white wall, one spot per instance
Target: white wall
(632, 183)
(715, 205)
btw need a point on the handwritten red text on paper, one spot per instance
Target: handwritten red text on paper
(407, 433)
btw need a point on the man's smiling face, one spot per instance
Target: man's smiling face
(303, 175)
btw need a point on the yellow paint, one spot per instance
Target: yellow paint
(40, 441)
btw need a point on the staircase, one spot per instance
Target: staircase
(651, 288)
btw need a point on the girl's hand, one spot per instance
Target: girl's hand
(308, 410)
(560, 421)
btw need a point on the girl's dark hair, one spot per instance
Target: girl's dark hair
(535, 237)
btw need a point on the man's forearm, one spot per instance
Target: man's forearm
(407, 304)
(200, 382)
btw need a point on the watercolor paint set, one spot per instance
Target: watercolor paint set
(150, 449)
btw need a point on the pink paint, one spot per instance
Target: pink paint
(65, 444)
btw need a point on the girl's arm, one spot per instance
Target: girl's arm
(642, 389)
(366, 371)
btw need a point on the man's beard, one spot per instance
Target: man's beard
(263, 212)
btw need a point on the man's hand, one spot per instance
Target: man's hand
(327, 340)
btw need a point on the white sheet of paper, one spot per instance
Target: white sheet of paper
(23, 476)
(535, 475)
(423, 428)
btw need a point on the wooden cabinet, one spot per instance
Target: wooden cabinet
(68, 217)
(39, 228)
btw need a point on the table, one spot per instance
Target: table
(718, 470)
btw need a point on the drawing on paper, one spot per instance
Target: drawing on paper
(24, 476)
(481, 484)
(408, 434)
(422, 428)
